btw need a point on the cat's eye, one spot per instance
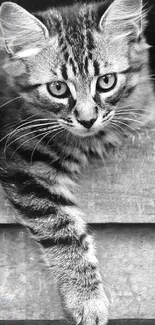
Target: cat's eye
(58, 89)
(106, 82)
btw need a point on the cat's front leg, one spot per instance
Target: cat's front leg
(56, 223)
(76, 267)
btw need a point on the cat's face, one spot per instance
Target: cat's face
(82, 94)
(87, 69)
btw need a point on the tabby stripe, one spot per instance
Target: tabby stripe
(27, 88)
(26, 154)
(96, 68)
(61, 41)
(64, 48)
(62, 224)
(27, 185)
(53, 242)
(64, 72)
(114, 99)
(58, 166)
(70, 158)
(90, 40)
(40, 192)
(61, 200)
(73, 65)
(32, 212)
(90, 56)
(132, 69)
(65, 241)
(129, 91)
(86, 65)
(66, 56)
(32, 187)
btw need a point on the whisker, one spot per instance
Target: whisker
(43, 133)
(147, 78)
(115, 126)
(128, 113)
(25, 134)
(10, 101)
(15, 123)
(134, 120)
(18, 123)
(126, 106)
(49, 121)
(29, 124)
(41, 140)
(19, 129)
(54, 136)
(31, 121)
(132, 110)
(24, 143)
(125, 124)
(7, 145)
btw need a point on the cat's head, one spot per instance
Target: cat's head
(77, 65)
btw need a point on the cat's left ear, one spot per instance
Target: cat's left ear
(123, 14)
(22, 32)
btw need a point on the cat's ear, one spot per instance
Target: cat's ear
(124, 13)
(22, 32)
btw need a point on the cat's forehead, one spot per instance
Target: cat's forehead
(81, 46)
(77, 50)
(75, 37)
(87, 62)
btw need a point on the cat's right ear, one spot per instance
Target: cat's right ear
(22, 32)
(124, 15)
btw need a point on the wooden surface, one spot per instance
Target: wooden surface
(25, 292)
(62, 322)
(120, 190)
(123, 189)
(126, 254)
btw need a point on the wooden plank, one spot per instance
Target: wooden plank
(126, 255)
(62, 322)
(7, 213)
(121, 190)
(26, 290)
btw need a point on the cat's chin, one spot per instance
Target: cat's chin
(85, 133)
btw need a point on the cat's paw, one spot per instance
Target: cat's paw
(89, 312)
(95, 312)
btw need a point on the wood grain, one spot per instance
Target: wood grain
(121, 190)
(126, 255)
(26, 289)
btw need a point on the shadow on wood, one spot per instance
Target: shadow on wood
(61, 322)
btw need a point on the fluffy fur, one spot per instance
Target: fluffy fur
(73, 81)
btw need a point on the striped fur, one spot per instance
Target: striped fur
(55, 112)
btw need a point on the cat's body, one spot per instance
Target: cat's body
(77, 79)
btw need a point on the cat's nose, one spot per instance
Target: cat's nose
(87, 124)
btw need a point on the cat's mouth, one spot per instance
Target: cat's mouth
(90, 127)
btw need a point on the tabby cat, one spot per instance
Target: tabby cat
(73, 80)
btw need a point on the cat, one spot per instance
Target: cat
(73, 80)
